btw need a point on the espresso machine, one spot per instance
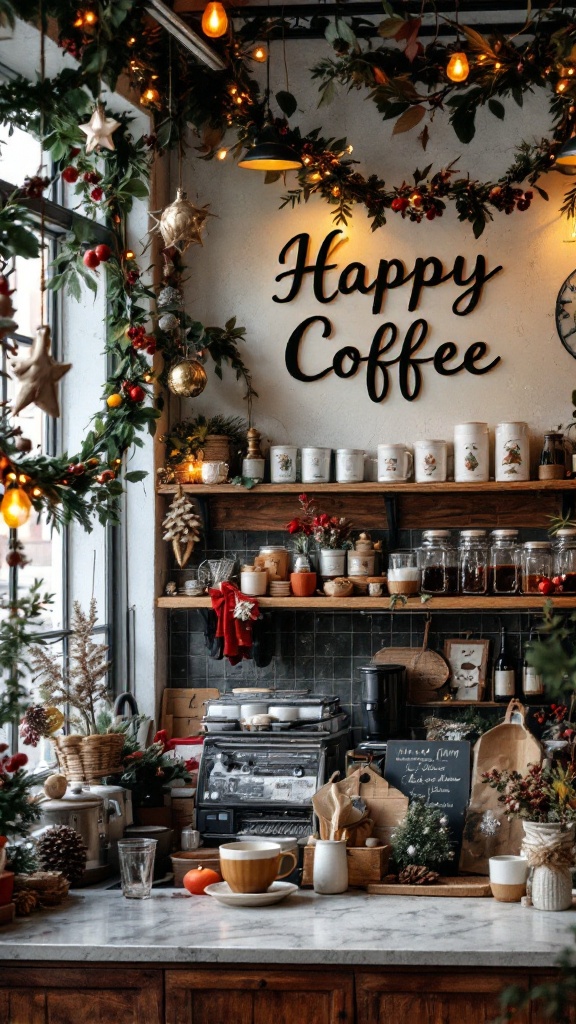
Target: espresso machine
(383, 711)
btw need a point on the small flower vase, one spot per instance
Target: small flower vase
(332, 562)
(548, 847)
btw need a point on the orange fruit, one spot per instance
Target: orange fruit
(198, 878)
(114, 401)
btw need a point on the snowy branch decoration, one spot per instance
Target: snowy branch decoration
(83, 685)
(183, 527)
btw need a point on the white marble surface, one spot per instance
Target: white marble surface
(305, 929)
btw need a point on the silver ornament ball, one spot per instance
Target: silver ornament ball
(168, 322)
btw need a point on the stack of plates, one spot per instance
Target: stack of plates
(279, 588)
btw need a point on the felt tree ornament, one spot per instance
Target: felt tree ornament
(421, 840)
(38, 375)
(183, 527)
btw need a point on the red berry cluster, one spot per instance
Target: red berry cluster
(92, 258)
(417, 206)
(133, 391)
(9, 765)
(132, 276)
(506, 198)
(140, 340)
(34, 187)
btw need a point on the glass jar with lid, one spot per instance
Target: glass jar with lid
(504, 562)
(276, 559)
(438, 562)
(564, 560)
(536, 565)
(473, 562)
(552, 457)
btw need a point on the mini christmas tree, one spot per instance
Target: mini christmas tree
(183, 527)
(422, 840)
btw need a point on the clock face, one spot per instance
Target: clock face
(566, 314)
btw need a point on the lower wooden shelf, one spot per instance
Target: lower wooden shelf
(381, 604)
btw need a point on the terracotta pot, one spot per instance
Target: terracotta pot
(303, 584)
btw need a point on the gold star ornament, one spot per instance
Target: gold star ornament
(38, 376)
(99, 130)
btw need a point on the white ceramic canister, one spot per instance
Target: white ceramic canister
(254, 582)
(361, 563)
(330, 874)
(283, 459)
(332, 562)
(316, 465)
(430, 461)
(471, 453)
(512, 452)
(349, 465)
(395, 463)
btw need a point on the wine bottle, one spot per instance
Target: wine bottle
(532, 682)
(504, 674)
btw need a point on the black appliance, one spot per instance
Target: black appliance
(383, 702)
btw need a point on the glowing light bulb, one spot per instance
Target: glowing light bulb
(350, 149)
(15, 507)
(458, 67)
(497, 65)
(260, 54)
(562, 85)
(129, 255)
(221, 154)
(150, 96)
(214, 20)
(90, 18)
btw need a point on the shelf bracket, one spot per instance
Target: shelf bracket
(203, 506)
(392, 519)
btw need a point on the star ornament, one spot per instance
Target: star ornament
(99, 130)
(38, 376)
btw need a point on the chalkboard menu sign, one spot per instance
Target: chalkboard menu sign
(437, 771)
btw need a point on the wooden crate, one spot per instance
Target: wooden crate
(366, 865)
(183, 709)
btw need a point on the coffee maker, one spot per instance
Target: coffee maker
(383, 702)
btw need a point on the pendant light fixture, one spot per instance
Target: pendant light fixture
(269, 153)
(566, 157)
(214, 21)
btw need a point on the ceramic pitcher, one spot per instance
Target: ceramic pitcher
(330, 875)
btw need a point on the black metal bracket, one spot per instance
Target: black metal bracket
(203, 506)
(392, 519)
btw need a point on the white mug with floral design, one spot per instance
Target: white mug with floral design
(395, 463)
(430, 461)
(283, 463)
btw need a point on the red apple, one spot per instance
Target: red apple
(90, 259)
(103, 252)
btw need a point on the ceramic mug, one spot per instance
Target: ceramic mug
(214, 472)
(349, 465)
(283, 463)
(394, 463)
(508, 877)
(316, 465)
(253, 866)
(430, 461)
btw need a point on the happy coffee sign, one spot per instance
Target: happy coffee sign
(387, 350)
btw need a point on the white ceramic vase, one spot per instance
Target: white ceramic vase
(330, 875)
(551, 886)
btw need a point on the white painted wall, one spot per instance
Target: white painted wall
(233, 274)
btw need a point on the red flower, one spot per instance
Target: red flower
(135, 756)
(294, 526)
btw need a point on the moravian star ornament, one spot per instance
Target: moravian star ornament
(99, 130)
(38, 376)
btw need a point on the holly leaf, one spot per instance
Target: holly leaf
(287, 102)
(340, 29)
(542, 193)
(328, 93)
(424, 137)
(135, 475)
(389, 28)
(409, 119)
(478, 226)
(477, 41)
(497, 109)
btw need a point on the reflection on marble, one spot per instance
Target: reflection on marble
(305, 929)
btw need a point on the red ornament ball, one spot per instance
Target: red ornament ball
(90, 259)
(92, 177)
(546, 587)
(103, 252)
(70, 174)
(4, 286)
(132, 276)
(97, 194)
(399, 204)
(105, 476)
(137, 394)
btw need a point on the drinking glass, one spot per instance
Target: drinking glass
(136, 858)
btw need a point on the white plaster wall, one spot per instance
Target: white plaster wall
(233, 274)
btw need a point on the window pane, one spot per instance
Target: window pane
(26, 281)
(20, 155)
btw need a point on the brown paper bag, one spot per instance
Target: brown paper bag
(337, 816)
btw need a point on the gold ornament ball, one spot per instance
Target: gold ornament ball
(187, 378)
(55, 786)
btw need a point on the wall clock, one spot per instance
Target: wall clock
(566, 314)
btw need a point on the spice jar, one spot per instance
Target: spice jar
(438, 562)
(276, 559)
(552, 458)
(564, 561)
(473, 561)
(536, 565)
(504, 575)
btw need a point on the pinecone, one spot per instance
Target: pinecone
(34, 725)
(61, 849)
(26, 901)
(417, 874)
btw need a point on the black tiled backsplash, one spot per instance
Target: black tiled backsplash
(322, 650)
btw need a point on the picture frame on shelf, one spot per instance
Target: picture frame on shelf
(468, 660)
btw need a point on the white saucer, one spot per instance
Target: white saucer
(222, 892)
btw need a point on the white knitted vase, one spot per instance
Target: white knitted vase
(551, 886)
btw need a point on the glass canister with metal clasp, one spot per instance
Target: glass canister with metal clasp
(564, 561)
(438, 562)
(536, 565)
(473, 562)
(504, 562)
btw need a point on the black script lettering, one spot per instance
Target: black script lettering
(381, 283)
(410, 373)
(318, 269)
(293, 346)
(478, 277)
(475, 352)
(358, 282)
(375, 363)
(421, 281)
(443, 353)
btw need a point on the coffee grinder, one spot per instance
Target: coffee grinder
(383, 710)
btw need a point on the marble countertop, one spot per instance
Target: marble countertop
(352, 929)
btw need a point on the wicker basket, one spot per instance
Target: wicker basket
(88, 758)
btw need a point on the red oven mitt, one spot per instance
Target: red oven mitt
(236, 632)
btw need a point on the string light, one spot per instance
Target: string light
(221, 154)
(129, 255)
(150, 97)
(458, 67)
(214, 20)
(260, 53)
(497, 66)
(15, 507)
(562, 85)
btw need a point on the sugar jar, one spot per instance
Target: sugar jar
(536, 565)
(504, 562)
(564, 560)
(438, 562)
(473, 561)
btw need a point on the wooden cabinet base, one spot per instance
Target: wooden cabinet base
(80, 995)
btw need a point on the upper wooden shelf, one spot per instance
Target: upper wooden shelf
(369, 487)
(381, 604)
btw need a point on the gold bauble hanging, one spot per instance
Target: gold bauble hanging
(187, 378)
(181, 223)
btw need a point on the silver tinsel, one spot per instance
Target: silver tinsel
(170, 296)
(490, 824)
(168, 322)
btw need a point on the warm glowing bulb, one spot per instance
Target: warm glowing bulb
(336, 190)
(15, 507)
(562, 85)
(497, 65)
(259, 54)
(214, 20)
(90, 18)
(316, 176)
(37, 492)
(131, 41)
(350, 149)
(129, 255)
(150, 96)
(221, 154)
(458, 67)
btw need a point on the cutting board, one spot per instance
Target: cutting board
(487, 831)
(426, 671)
(464, 885)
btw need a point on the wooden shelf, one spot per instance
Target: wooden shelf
(459, 704)
(380, 604)
(369, 487)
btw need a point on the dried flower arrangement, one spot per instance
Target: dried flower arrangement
(543, 794)
(328, 531)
